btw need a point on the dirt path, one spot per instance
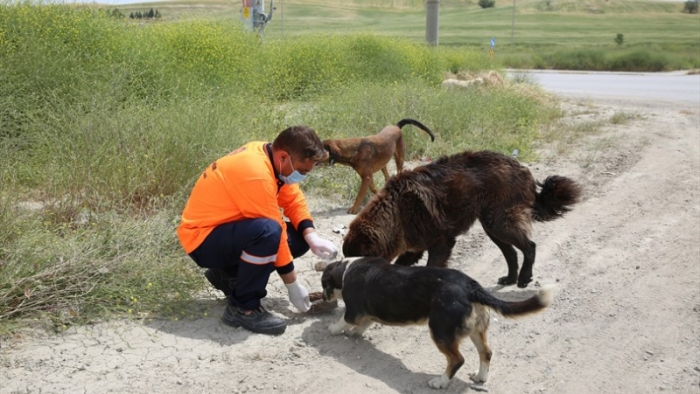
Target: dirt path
(626, 317)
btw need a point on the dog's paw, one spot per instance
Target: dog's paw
(356, 331)
(477, 378)
(336, 328)
(506, 281)
(522, 283)
(439, 383)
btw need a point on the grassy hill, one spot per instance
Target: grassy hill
(530, 37)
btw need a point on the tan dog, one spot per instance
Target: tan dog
(370, 154)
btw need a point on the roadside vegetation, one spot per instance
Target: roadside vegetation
(106, 120)
(544, 34)
(105, 123)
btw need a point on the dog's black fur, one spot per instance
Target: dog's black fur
(428, 207)
(454, 305)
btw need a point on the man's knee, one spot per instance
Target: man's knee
(264, 231)
(262, 238)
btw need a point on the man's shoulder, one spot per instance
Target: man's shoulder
(250, 161)
(251, 152)
(256, 148)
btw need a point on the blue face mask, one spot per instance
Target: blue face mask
(294, 177)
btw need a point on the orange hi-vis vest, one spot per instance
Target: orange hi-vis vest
(241, 185)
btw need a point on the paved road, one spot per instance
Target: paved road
(669, 87)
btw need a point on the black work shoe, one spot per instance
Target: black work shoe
(258, 320)
(221, 281)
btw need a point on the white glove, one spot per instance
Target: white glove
(321, 247)
(299, 296)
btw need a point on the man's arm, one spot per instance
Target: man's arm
(289, 277)
(292, 200)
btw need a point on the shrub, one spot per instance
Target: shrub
(637, 60)
(580, 59)
(487, 3)
(115, 13)
(691, 6)
(619, 38)
(313, 64)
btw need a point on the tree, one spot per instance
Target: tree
(619, 38)
(115, 13)
(691, 6)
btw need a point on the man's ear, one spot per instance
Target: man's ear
(284, 156)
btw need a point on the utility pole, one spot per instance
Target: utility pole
(432, 21)
(254, 16)
(512, 24)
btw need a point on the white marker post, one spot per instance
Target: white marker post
(254, 16)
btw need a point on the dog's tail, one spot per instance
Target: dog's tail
(555, 198)
(404, 122)
(531, 305)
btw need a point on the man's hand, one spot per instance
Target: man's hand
(299, 296)
(321, 247)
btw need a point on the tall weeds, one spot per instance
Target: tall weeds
(104, 125)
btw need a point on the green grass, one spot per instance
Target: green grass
(105, 124)
(539, 35)
(623, 117)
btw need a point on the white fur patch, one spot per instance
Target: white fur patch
(349, 260)
(546, 294)
(339, 326)
(482, 375)
(439, 383)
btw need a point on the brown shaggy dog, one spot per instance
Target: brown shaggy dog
(368, 155)
(428, 207)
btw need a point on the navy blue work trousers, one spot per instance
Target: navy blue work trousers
(257, 238)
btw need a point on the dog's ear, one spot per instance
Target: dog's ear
(430, 198)
(326, 156)
(332, 154)
(332, 278)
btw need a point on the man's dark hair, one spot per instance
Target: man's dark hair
(301, 142)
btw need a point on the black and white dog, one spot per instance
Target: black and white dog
(454, 305)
